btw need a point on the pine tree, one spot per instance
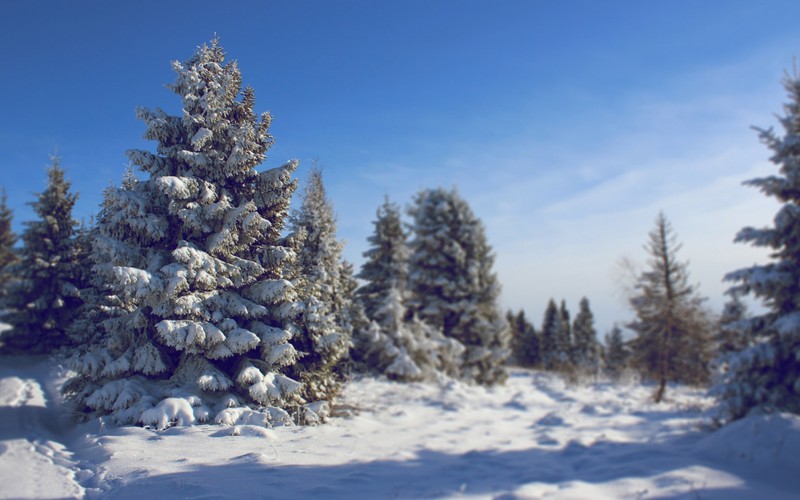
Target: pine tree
(766, 375)
(672, 328)
(86, 329)
(405, 348)
(733, 333)
(524, 340)
(386, 265)
(452, 284)
(352, 312)
(616, 353)
(44, 300)
(551, 337)
(8, 255)
(325, 333)
(191, 263)
(584, 335)
(566, 343)
(398, 343)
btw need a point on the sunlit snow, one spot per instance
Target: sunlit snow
(534, 437)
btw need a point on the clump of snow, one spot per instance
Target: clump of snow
(171, 411)
(268, 417)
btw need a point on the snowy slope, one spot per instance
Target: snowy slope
(535, 437)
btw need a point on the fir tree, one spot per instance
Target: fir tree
(45, 298)
(352, 314)
(766, 375)
(86, 329)
(452, 284)
(326, 330)
(191, 263)
(551, 337)
(8, 255)
(616, 353)
(386, 265)
(405, 348)
(672, 329)
(584, 335)
(566, 347)
(733, 334)
(524, 340)
(398, 343)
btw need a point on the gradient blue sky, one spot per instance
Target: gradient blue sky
(567, 125)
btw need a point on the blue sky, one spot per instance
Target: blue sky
(566, 125)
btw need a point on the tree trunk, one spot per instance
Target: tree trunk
(662, 386)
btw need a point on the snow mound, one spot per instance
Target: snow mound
(766, 442)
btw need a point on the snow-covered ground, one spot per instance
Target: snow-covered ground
(535, 437)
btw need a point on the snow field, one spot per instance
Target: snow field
(534, 437)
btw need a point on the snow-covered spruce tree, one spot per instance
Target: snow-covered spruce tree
(323, 338)
(616, 353)
(8, 239)
(353, 317)
(584, 336)
(452, 284)
(192, 263)
(44, 299)
(86, 329)
(766, 375)
(405, 348)
(397, 343)
(386, 264)
(673, 330)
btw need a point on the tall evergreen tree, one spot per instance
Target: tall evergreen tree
(584, 335)
(45, 298)
(325, 332)
(386, 265)
(8, 239)
(672, 328)
(616, 352)
(766, 375)
(551, 338)
(86, 329)
(452, 284)
(398, 343)
(566, 343)
(192, 264)
(524, 340)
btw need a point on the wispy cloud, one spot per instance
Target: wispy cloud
(561, 211)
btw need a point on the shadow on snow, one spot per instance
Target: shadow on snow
(434, 474)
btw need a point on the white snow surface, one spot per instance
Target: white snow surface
(534, 437)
